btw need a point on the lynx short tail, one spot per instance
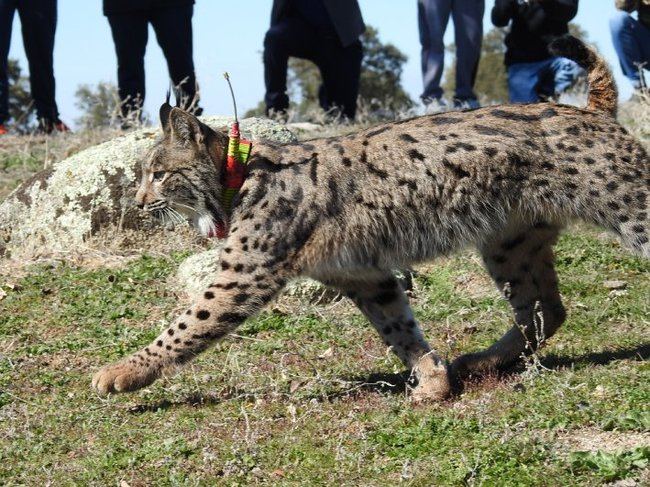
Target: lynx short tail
(603, 95)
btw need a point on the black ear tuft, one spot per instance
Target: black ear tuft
(185, 127)
(165, 110)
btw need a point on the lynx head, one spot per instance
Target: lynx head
(181, 175)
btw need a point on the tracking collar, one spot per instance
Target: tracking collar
(239, 151)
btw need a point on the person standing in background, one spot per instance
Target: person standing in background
(433, 17)
(38, 20)
(533, 73)
(172, 23)
(325, 32)
(631, 38)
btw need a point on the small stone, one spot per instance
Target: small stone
(615, 293)
(327, 353)
(291, 409)
(614, 284)
(294, 386)
(600, 391)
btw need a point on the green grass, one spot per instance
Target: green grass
(22, 161)
(612, 466)
(269, 406)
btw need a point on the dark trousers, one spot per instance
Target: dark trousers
(173, 28)
(38, 19)
(340, 67)
(433, 17)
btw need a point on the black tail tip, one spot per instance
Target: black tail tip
(571, 47)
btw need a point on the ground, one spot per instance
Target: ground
(306, 394)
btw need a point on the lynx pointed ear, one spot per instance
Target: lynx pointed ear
(185, 128)
(165, 110)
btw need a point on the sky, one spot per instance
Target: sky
(228, 36)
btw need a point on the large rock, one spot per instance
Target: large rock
(58, 208)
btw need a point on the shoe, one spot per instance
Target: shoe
(435, 105)
(3, 129)
(468, 103)
(278, 115)
(59, 126)
(48, 126)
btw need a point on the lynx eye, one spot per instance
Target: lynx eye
(158, 175)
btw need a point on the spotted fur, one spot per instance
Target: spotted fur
(346, 210)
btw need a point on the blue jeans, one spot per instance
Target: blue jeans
(632, 43)
(528, 82)
(433, 17)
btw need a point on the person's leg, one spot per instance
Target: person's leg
(523, 79)
(632, 44)
(433, 16)
(38, 19)
(173, 27)
(340, 69)
(565, 74)
(7, 9)
(290, 37)
(546, 80)
(130, 37)
(468, 28)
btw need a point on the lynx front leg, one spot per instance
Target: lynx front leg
(240, 290)
(384, 303)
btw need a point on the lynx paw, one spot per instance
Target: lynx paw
(472, 365)
(123, 377)
(433, 381)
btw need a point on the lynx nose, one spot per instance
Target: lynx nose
(140, 198)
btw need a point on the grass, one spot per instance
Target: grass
(307, 394)
(22, 156)
(300, 397)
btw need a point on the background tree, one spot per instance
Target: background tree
(381, 75)
(380, 88)
(99, 105)
(21, 106)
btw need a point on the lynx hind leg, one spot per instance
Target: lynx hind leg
(522, 266)
(386, 306)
